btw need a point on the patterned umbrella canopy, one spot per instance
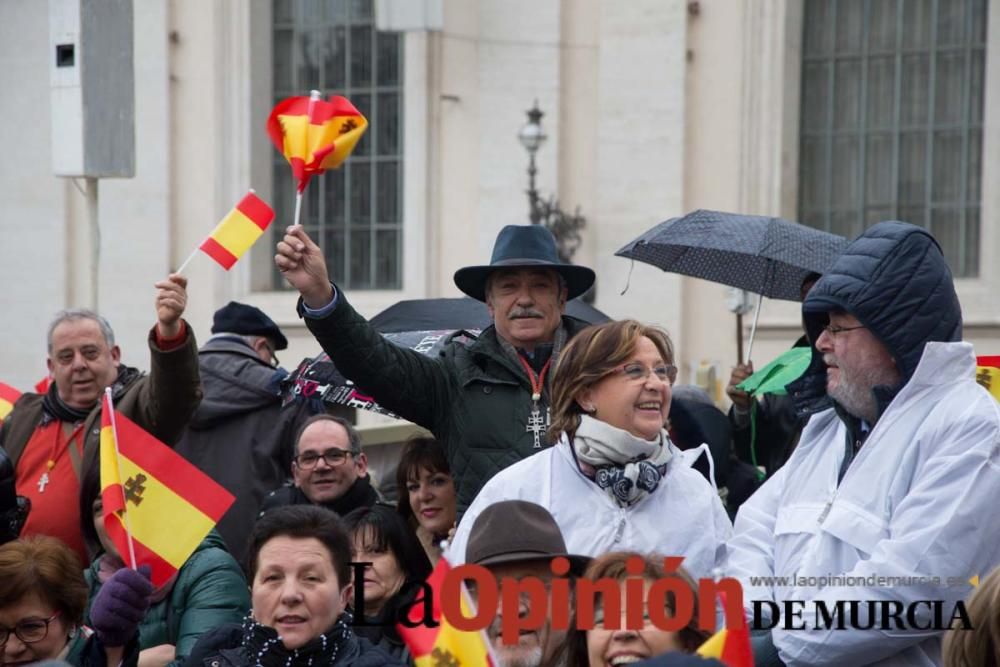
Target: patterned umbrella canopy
(767, 256)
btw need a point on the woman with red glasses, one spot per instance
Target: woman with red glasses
(613, 480)
(42, 598)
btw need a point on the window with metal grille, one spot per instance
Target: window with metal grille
(354, 213)
(892, 118)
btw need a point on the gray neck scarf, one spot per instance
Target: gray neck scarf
(626, 467)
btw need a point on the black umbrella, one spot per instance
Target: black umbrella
(462, 313)
(768, 256)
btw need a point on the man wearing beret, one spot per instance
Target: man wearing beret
(486, 402)
(240, 436)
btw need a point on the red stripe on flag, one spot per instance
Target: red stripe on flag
(992, 361)
(171, 469)
(254, 208)
(8, 393)
(214, 249)
(162, 570)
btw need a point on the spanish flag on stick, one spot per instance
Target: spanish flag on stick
(8, 397)
(239, 230)
(444, 644)
(315, 134)
(158, 507)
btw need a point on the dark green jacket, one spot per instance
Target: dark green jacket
(474, 398)
(210, 590)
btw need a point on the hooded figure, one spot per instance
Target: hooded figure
(895, 475)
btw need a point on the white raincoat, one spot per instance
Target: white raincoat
(919, 500)
(682, 517)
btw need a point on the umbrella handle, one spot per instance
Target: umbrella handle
(753, 329)
(739, 339)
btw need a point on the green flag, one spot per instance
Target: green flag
(772, 378)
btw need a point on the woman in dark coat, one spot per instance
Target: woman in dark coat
(395, 567)
(299, 562)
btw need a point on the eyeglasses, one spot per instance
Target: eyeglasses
(332, 457)
(28, 631)
(833, 329)
(273, 352)
(637, 372)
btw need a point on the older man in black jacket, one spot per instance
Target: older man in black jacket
(487, 403)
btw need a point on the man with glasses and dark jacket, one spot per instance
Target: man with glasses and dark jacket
(329, 469)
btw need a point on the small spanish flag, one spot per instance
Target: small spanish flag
(988, 374)
(730, 645)
(238, 230)
(314, 134)
(8, 397)
(158, 507)
(444, 644)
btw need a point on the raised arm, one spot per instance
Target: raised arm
(409, 383)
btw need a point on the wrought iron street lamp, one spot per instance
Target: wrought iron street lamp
(565, 227)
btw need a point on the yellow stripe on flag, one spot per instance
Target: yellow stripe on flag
(236, 233)
(109, 456)
(5, 408)
(159, 518)
(712, 647)
(989, 377)
(296, 136)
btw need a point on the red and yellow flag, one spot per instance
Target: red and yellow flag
(988, 374)
(155, 496)
(238, 230)
(730, 645)
(444, 644)
(314, 134)
(8, 397)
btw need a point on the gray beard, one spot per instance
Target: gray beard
(855, 394)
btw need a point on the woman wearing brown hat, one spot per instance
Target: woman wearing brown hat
(614, 481)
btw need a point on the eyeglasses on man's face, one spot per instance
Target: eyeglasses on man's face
(834, 329)
(29, 631)
(332, 457)
(639, 372)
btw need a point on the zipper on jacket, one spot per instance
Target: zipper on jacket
(621, 526)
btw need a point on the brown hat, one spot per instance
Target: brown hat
(515, 531)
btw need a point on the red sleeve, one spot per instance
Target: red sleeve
(167, 344)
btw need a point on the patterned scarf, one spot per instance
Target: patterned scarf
(265, 648)
(626, 467)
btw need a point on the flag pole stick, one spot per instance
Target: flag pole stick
(118, 455)
(753, 329)
(298, 207)
(187, 261)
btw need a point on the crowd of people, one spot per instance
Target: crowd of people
(561, 452)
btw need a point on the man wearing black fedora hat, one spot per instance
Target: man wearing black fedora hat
(515, 539)
(240, 435)
(486, 402)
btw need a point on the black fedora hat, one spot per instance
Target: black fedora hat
(524, 246)
(516, 531)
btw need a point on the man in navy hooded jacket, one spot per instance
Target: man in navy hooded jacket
(888, 505)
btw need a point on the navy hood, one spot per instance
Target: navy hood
(894, 280)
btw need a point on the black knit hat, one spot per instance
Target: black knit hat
(239, 318)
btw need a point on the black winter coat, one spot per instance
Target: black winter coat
(222, 647)
(474, 398)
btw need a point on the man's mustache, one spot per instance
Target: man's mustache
(523, 313)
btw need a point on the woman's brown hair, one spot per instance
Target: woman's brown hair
(47, 567)
(612, 566)
(980, 646)
(418, 453)
(590, 356)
